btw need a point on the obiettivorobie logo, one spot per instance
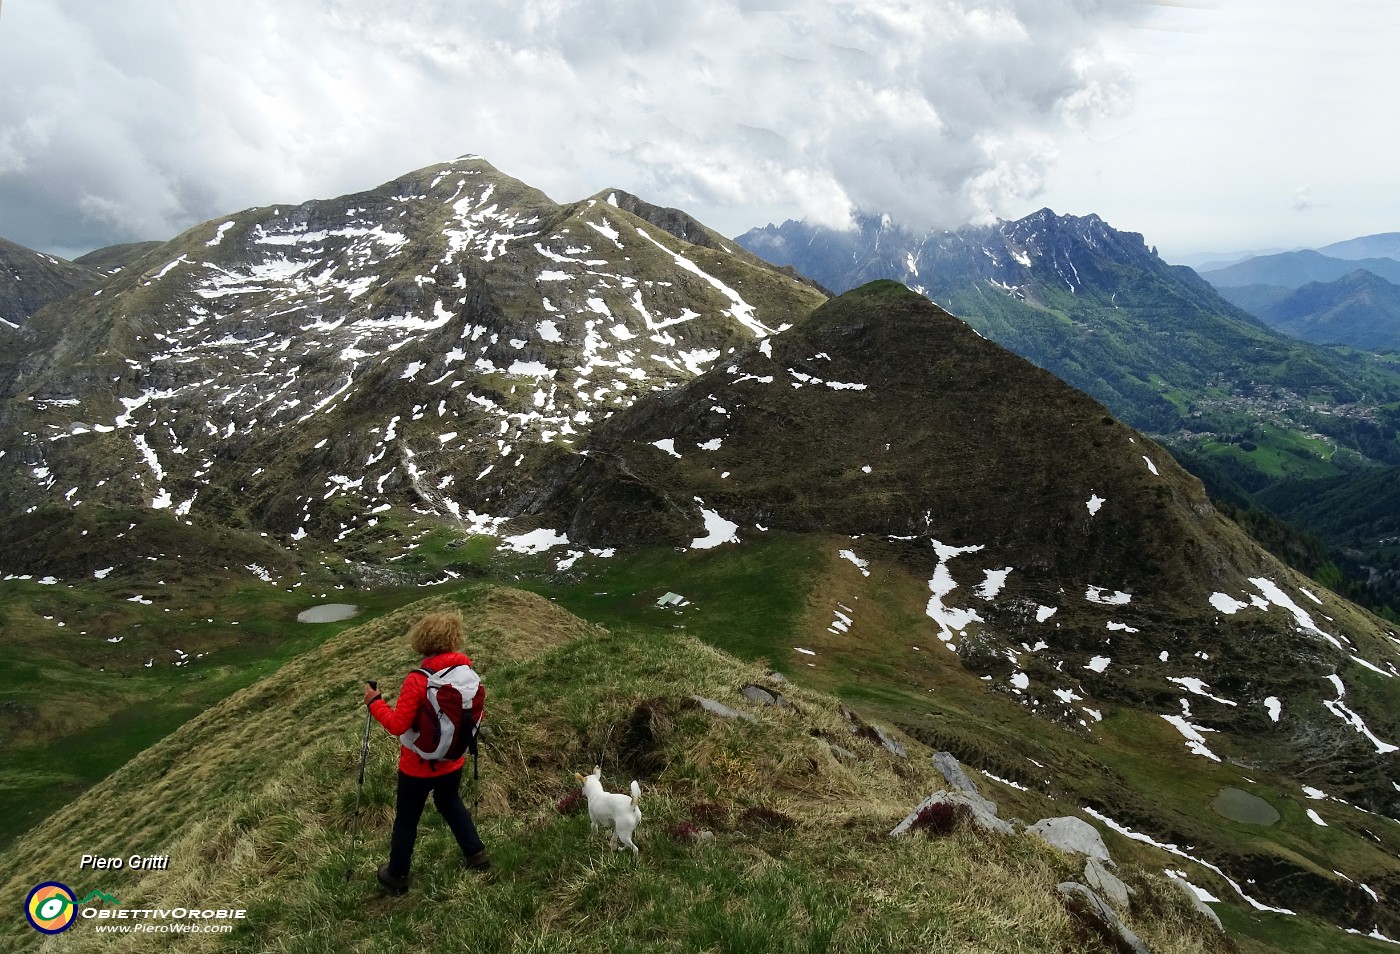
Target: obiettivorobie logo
(51, 907)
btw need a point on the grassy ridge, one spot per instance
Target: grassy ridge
(253, 801)
(761, 600)
(554, 712)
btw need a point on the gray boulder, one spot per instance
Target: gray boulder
(764, 697)
(1072, 834)
(758, 694)
(722, 710)
(891, 744)
(952, 770)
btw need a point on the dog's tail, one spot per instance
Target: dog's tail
(636, 792)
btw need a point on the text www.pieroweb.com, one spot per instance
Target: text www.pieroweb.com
(176, 927)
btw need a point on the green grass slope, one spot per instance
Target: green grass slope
(253, 802)
(112, 258)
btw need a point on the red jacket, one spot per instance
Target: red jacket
(398, 719)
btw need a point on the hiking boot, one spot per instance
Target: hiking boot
(394, 884)
(477, 862)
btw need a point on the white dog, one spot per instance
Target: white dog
(617, 809)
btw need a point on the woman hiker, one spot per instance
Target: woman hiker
(437, 638)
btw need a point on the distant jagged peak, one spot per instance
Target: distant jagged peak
(1046, 221)
(1042, 231)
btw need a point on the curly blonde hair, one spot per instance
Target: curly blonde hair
(436, 633)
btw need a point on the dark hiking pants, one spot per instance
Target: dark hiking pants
(447, 797)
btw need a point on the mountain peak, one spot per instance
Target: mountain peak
(521, 321)
(1295, 269)
(681, 224)
(29, 280)
(1360, 309)
(1363, 276)
(870, 384)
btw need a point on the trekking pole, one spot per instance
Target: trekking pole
(364, 755)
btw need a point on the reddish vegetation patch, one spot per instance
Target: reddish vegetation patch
(939, 819)
(684, 831)
(571, 803)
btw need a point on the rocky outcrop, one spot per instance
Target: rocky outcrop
(984, 813)
(1093, 913)
(952, 771)
(874, 733)
(765, 697)
(1107, 884)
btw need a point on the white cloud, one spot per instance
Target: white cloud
(125, 120)
(1234, 106)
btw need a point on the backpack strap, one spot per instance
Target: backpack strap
(424, 670)
(428, 679)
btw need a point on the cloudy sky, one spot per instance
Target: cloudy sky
(1204, 124)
